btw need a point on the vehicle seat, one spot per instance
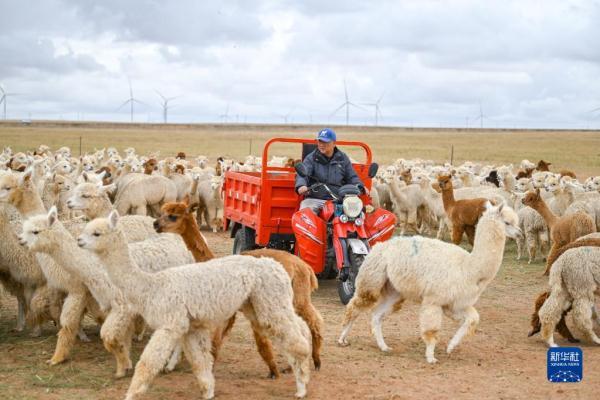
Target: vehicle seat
(308, 148)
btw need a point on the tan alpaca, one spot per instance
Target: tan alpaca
(184, 304)
(563, 230)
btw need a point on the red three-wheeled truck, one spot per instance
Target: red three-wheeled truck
(261, 208)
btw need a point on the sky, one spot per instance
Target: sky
(456, 63)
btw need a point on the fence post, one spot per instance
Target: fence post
(452, 155)
(250, 147)
(79, 146)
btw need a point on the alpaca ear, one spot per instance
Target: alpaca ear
(192, 208)
(85, 177)
(25, 179)
(113, 219)
(52, 216)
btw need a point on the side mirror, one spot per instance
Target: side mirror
(373, 168)
(301, 170)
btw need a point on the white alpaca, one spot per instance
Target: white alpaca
(574, 282)
(535, 233)
(440, 276)
(211, 201)
(145, 191)
(185, 303)
(45, 234)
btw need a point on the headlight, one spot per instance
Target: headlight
(352, 206)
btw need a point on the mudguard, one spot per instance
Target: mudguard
(311, 238)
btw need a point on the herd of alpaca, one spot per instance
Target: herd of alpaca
(118, 239)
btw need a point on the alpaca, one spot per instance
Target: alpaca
(182, 305)
(493, 178)
(179, 218)
(542, 297)
(435, 204)
(211, 202)
(526, 173)
(563, 230)
(442, 277)
(535, 233)
(150, 166)
(574, 281)
(407, 202)
(463, 214)
(45, 234)
(144, 191)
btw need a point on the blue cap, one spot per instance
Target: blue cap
(326, 135)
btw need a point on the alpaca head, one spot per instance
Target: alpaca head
(532, 198)
(445, 182)
(523, 184)
(62, 167)
(13, 186)
(101, 234)
(62, 184)
(553, 184)
(504, 215)
(85, 194)
(38, 232)
(543, 165)
(175, 217)
(150, 165)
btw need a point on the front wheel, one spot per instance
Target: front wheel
(346, 289)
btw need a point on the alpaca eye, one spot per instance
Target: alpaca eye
(173, 218)
(35, 232)
(96, 234)
(85, 196)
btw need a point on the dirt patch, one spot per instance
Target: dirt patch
(499, 362)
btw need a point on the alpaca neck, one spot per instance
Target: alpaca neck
(509, 183)
(29, 203)
(395, 189)
(488, 249)
(541, 207)
(100, 208)
(448, 197)
(217, 193)
(195, 242)
(125, 274)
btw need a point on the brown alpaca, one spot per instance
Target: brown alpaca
(107, 180)
(525, 174)
(464, 214)
(566, 172)
(150, 166)
(179, 169)
(563, 230)
(179, 218)
(561, 328)
(406, 176)
(181, 155)
(543, 165)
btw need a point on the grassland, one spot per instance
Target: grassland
(576, 150)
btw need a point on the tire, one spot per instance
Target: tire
(346, 289)
(244, 240)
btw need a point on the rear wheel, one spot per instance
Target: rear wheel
(346, 289)
(244, 240)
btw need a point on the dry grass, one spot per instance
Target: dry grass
(576, 150)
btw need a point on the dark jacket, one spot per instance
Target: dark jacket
(335, 172)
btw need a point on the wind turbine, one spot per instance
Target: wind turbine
(346, 104)
(377, 108)
(481, 116)
(4, 98)
(165, 104)
(287, 116)
(130, 100)
(225, 117)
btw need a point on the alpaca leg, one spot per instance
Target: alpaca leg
(212, 215)
(470, 231)
(219, 336)
(153, 359)
(83, 336)
(457, 233)
(550, 314)
(290, 331)
(520, 244)
(383, 308)
(197, 349)
(313, 319)
(552, 255)
(582, 316)
(430, 321)
(174, 359)
(595, 315)
(531, 246)
(470, 319)
(116, 334)
(140, 210)
(70, 321)
(361, 302)
(21, 312)
(265, 348)
(441, 229)
(139, 328)
(563, 329)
